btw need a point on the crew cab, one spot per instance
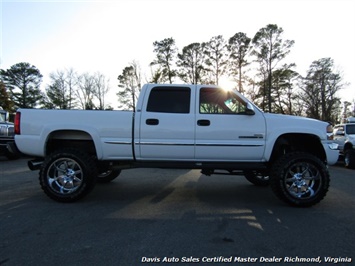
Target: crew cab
(178, 126)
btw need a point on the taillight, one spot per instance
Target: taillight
(17, 123)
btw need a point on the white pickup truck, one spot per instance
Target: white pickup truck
(344, 136)
(178, 126)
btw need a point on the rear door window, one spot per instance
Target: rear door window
(169, 100)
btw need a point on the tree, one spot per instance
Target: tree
(261, 98)
(346, 112)
(319, 89)
(157, 76)
(71, 81)
(59, 93)
(85, 91)
(23, 81)
(283, 82)
(101, 89)
(216, 57)
(165, 51)
(238, 47)
(130, 82)
(269, 50)
(191, 62)
(5, 101)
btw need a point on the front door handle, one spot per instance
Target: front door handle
(203, 123)
(152, 122)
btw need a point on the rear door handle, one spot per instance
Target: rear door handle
(152, 122)
(203, 123)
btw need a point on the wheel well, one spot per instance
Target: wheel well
(70, 139)
(298, 142)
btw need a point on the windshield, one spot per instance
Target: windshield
(350, 129)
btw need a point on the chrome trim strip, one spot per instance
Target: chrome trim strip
(118, 142)
(164, 143)
(199, 144)
(256, 136)
(230, 145)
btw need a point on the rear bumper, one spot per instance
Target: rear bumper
(11, 146)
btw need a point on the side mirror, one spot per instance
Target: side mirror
(250, 109)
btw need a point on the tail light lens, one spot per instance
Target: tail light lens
(17, 123)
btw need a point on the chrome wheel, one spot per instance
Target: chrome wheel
(300, 179)
(64, 176)
(303, 180)
(68, 174)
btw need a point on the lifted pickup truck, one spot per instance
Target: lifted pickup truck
(178, 126)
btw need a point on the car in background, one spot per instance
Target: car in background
(344, 136)
(7, 142)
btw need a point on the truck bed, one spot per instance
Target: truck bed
(108, 130)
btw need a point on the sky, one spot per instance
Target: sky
(106, 36)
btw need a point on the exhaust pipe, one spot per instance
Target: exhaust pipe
(35, 164)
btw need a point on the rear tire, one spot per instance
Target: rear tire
(68, 175)
(300, 179)
(258, 178)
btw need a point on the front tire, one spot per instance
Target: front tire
(12, 156)
(108, 175)
(349, 158)
(67, 175)
(107, 172)
(300, 179)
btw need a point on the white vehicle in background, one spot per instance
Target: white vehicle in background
(344, 136)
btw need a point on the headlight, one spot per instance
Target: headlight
(330, 134)
(333, 146)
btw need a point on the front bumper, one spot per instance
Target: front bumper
(332, 152)
(9, 148)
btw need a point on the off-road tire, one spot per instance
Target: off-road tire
(299, 179)
(257, 178)
(108, 175)
(67, 175)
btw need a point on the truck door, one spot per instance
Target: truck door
(167, 124)
(225, 129)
